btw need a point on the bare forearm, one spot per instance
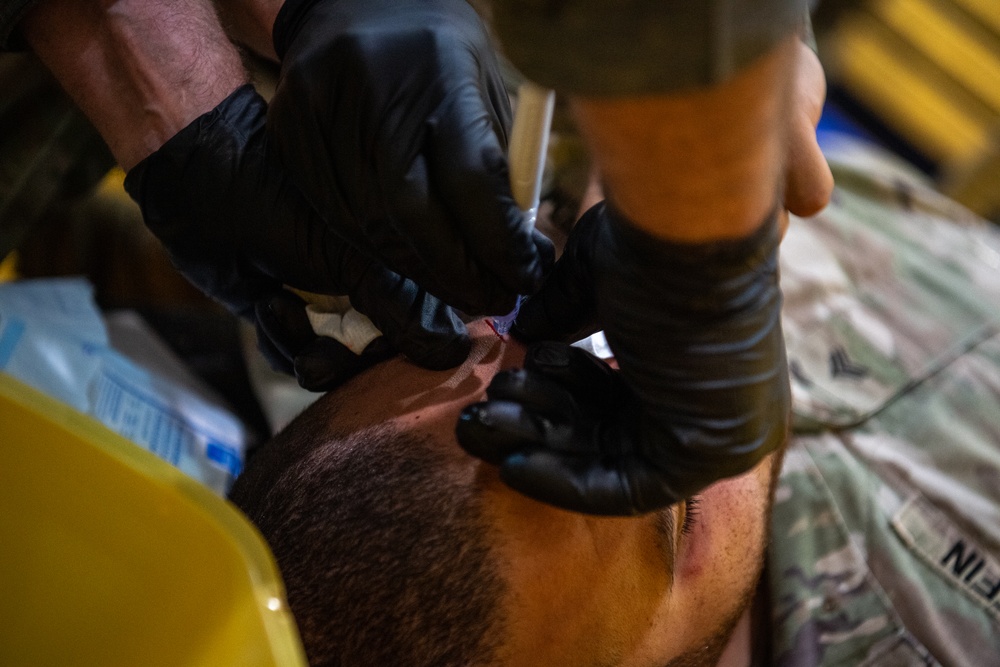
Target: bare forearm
(250, 23)
(697, 166)
(141, 70)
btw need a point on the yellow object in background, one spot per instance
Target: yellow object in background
(929, 69)
(8, 268)
(111, 556)
(113, 185)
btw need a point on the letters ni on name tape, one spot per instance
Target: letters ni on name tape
(962, 561)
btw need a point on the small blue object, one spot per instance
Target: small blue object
(225, 456)
(503, 324)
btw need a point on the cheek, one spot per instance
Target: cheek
(719, 561)
(716, 568)
(730, 527)
(582, 590)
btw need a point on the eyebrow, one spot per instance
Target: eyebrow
(664, 524)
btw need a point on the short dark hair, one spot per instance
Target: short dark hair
(386, 557)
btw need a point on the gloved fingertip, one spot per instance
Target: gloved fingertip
(315, 374)
(473, 421)
(549, 355)
(521, 473)
(531, 326)
(450, 353)
(325, 364)
(575, 368)
(485, 300)
(546, 409)
(378, 350)
(535, 323)
(546, 256)
(551, 479)
(469, 413)
(283, 318)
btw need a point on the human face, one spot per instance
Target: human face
(585, 590)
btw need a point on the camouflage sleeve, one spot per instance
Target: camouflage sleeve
(828, 608)
(597, 47)
(887, 518)
(889, 283)
(11, 13)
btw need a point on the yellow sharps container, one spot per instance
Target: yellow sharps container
(110, 556)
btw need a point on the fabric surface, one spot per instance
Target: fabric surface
(886, 527)
(596, 47)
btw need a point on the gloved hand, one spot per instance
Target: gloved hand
(236, 228)
(703, 389)
(391, 117)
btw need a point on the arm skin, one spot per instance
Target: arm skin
(808, 181)
(141, 70)
(702, 165)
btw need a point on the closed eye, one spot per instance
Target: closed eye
(690, 515)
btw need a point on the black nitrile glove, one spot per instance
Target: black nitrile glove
(236, 228)
(703, 389)
(391, 117)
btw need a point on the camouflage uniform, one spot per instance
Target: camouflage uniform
(630, 47)
(886, 528)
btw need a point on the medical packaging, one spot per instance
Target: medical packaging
(52, 337)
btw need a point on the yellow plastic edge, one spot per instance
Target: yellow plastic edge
(262, 569)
